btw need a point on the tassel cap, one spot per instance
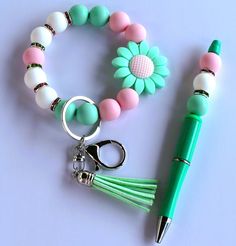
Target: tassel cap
(85, 177)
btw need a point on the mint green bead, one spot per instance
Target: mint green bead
(87, 114)
(99, 16)
(198, 104)
(79, 14)
(70, 112)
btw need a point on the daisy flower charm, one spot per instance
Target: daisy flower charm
(140, 67)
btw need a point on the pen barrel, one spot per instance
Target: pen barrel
(188, 137)
(180, 164)
(177, 176)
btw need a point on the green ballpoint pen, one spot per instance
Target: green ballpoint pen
(197, 106)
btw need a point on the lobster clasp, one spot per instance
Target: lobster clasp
(93, 151)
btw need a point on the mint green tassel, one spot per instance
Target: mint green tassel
(136, 192)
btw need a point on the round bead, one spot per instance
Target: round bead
(127, 98)
(70, 112)
(87, 114)
(41, 35)
(33, 55)
(205, 81)
(197, 104)
(99, 16)
(58, 21)
(79, 14)
(109, 109)
(45, 96)
(210, 61)
(119, 21)
(34, 76)
(136, 33)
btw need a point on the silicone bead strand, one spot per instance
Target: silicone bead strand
(204, 83)
(145, 64)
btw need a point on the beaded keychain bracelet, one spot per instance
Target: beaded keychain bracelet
(142, 70)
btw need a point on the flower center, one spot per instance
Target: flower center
(141, 66)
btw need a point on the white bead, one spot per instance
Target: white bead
(58, 21)
(45, 96)
(35, 76)
(41, 35)
(205, 81)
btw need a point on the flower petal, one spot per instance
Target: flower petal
(129, 81)
(162, 70)
(139, 86)
(121, 72)
(150, 86)
(143, 48)
(160, 60)
(124, 52)
(120, 62)
(153, 52)
(133, 47)
(158, 80)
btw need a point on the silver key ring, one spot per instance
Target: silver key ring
(64, 123)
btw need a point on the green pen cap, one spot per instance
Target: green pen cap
(215, 47)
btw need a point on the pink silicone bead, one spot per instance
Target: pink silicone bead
(136, 33)
(210, 61)
(127, 98)
(109, 109)
(33, 55)
(119, 21)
